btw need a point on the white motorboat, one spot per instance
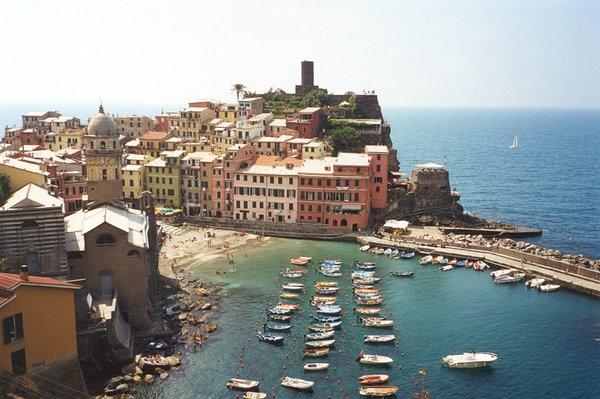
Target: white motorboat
(512, 277)
(293, 287)
(320, 344)
(446, 268)
(379, 338)
(549, 287)
(242, 385)
(380, 391)
(374, 379)
(319, 335)
(426, 260)
(469, 360)
(296, 383)
(501, 272)
(535, 282)
(316, 366)
(254, 395)
(378, 323)
(329, 309)
(364, 248)
(373, 359)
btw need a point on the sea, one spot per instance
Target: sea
(548, 344)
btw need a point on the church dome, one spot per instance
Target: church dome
(102, 125)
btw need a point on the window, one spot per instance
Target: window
(134, 253)
(105, 239)
(378, 168)
(13, 328)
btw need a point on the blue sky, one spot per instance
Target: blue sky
(412, 53)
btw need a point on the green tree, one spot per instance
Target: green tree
(4, 188)
(239, 88)
(346, 139)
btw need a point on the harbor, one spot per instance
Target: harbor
(435, 314)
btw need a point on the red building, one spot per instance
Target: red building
(70, 186)
(379, 177)
(307, 122)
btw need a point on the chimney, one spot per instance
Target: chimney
(24, 273)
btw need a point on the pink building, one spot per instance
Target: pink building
(379, 178)
(237, 157)
(335, 191)
(307, 122)
(267, 190)
(71, 186)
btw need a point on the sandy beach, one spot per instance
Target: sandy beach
(190, 245)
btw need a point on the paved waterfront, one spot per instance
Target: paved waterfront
(573, 281)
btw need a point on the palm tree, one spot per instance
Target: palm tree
(239, 88)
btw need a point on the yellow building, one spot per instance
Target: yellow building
(38, 322)
(133, 176)
(153, 142)
(22, 173)
(315, 150)
(71, 138)
(228, 112)
(163, 178)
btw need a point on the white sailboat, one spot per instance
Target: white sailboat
(515, 143)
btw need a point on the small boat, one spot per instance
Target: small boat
(366, 291)
(394, 253)
(407, 255)
(437, 259)
(254, 395)
(332, 262)
(276, 327)
(327, 291)
(378, 323)
(426, 260)
(326, 319)
(324, 298)
(329, 309)
(279, 317)
(401, 274)
(446, 268)
(444, 261)
(292, 275)
(270, 337)
(364, 248)
(365, 266)
(322, 302)
(480, 266)
(512, 277)
(316, 328)
(326, 284)
(296, 383)
(330, 274)
(374, 379)
(549, 287)
(373, 359)
(366, 280)
(461, 263)
(319, 336)
(299, 261)
(330, 268)
(293, 287)
(469, 360)
(453, 261)
(288, 305)
(308, 258)
(242, 385)
(315, 366)
(470, 263)
(388, 252)
(279, 311)
(361, 274)
(501, 272)
(379, 339)
(320, 344)
(289, 295)
(332, 324)
(380, 391)
(535, 282)
(315, 352)
(367, 311)
(370, 301)
(514, 144)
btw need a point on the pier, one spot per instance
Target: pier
(569, 276)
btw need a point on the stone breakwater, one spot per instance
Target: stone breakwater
(573, 259)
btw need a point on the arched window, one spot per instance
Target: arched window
(29, 224)
(134, 253)
(103, 145)
(114, 144)
(105, 239)
(104, 177)
(91, 145)
(344, 222)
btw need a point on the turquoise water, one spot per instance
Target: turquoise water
(545, 341)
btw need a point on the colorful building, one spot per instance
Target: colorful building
(379, 179)
(238, 156)
(197, 179)
(163, 178)
(134, 125)
(154, 142)
(315, 150)
(21, 173)
(307, 122)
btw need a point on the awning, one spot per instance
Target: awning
(351, 207)
(396, 224)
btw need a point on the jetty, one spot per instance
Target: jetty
(570, 276)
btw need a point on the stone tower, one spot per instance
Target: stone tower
(307, 78)
(103, 157)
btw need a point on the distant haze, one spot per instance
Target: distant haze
(432, 53)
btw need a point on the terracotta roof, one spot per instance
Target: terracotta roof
(9, 281)
(154, 135)
(273, 160)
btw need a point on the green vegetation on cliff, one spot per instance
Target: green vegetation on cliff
(4, 188)
(346, 139)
